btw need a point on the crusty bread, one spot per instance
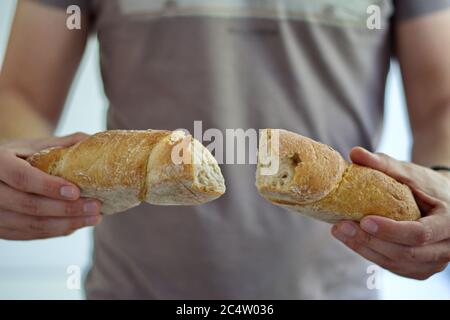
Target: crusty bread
(122, 168)
(313, 179)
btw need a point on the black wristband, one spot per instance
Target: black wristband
(440, 168)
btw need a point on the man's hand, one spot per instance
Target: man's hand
(414, 249)
(35, 205)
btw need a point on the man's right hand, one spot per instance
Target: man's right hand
(35, 205)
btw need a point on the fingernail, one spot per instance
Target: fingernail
(337, 234)
(369, 153)
(91, 207)
(68, 192)
(347, 229)
(93, 220)
(334, 229)
(369, 226)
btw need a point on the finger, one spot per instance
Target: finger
(35, 205)
(415, 176)
(439, 225)
(10, 234)
(20, 175)
(363, 250)
(45, 226)
(65, 141)
(352, 230)
(414, 270)
(420, 271)
(430, 229)
(28, 147)
(426, 202)
(378, 161)
(434, 253)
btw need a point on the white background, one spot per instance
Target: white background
(37, 269)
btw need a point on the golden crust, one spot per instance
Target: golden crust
(116, 158)
(364, 191)
(327, 188)
(124, 167)
(317, 168)
(46, 160)
(163, 170)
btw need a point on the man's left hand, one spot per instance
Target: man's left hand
(413, 249)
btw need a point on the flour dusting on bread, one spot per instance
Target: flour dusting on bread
(122, 168)
(313, 179)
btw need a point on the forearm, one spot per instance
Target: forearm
(19, 120)
(431, 144)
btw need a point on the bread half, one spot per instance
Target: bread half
(314, 180)
(123, 168)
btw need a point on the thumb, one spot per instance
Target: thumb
(64, 141)
(424, 182)
(398, 170)
(26, 148)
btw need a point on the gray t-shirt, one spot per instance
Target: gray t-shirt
(312, 67)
